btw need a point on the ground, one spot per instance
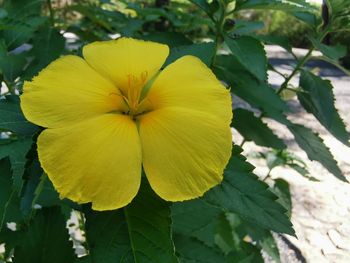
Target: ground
(321, 210)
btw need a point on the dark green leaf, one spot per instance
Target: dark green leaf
(11, 65)
(318, 99)
(281, 41)
(138, 233)
(191, 250)
(203, 51)
(172, 39)
(243, 27)
(9, 201)
(16, 151)
(12, 118)
(250, 53)
(45, 240)
(253, 129)
(315, 149)
(248, 254)
(245, 85)
(46, 193)
(283, 5)
(241, 192)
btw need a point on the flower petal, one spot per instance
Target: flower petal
(98, 160)
(119, 59)
(68, 91)
(184, 151)
(190, 84)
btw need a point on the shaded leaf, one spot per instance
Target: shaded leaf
(241, 192)
(281, 189)
(333, 52)
(315, 149)
(11, 65)
(318, 99)
(253, 129)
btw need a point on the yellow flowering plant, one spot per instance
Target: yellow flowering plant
(116, 122)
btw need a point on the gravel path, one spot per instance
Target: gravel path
(321, 210)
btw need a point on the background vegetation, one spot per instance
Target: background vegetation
(234, 221)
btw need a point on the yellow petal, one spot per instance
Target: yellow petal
(184, 151)
(126, 60)
(189, 83)
(98, 160)
(68, 91)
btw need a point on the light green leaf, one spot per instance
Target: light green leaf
(12, 118)
(253, 129)
(241, 192)
(283, 5)
(315, 149)
(250, 53)
(318, 99)
(45, 240)
(139, 232)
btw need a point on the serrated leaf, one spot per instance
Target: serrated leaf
(9, 201)
(253, 129)
(243, 84)
(203, 51)
(318, 99)
(315, 149)
(45, 240)
(281, 41)
(191, 250)
(333, 52)
(16, 151)
(250, 53)
(241, 192)
(12, 118)
(139, 232)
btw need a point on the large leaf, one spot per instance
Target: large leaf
(253, 129)
(250, 53)
(243, 84)
(315, 149)
(12, 118)
(139, 232)
(241, 192)
(318, 98)
(16, 151)
(45, 240)
(11, 65)
(9, 201)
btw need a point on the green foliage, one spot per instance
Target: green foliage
(234, 221)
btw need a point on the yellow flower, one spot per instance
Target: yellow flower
(114, 111)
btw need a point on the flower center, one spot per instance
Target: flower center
(136, 104)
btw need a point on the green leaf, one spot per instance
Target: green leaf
(11, 65)
(281, 41)
(243, 84)
(243, 27)
(241, 192)
(250, 53)
(48, 45)
(12, 118)
(45, 240)
(139, 232)
(283, 5)
(315, 149)
(333, 52)
(253, 129)
(281, 189)
(46, 194)
(191, 250)
(17, 151)
(172, 39)
(248, 254)
(318, 99)
(9, 201)
(203, 51)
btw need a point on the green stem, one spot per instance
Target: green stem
(267, 176)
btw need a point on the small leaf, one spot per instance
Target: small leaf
(241, 192)
(45, 240)
(139, 232)
(315, 149)
(250, 53)
(333, 52)
(12, 118)
(318, 99)
(281, 189)
(253, 129)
